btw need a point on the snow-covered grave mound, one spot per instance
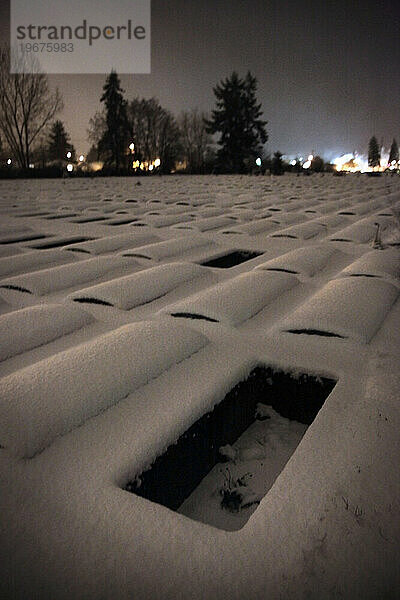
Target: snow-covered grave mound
(208, 223)
(112, 243)
(53, 396)
(304, 231)
(235, 300)
(361, 232)
(46, 281)
(36, 325)
(140, 288)
(351, 308)
(253, 228)
(377, 263)
(304, 261)
(169, 248)
(32, 261)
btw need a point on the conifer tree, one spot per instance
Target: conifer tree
(394, 152)
(237, 119)
(114, 141)
(58, 143)
(374, 154)
(277, 164)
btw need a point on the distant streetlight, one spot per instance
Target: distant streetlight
(157, 162)
(81, 158)
(9, 161)
(131, 147)
(258, 161)
(310, 157)
(69, 154)
(70, 168)
(151, 167)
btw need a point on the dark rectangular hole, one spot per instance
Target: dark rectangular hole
(175, 475)
(231, 259)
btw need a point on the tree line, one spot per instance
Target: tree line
(141, 135)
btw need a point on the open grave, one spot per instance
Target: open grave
(223, 465)
(226, 261)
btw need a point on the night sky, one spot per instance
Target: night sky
(328, 72)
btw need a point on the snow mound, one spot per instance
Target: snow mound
(166, 220)
(252, 228)
(54, 279)
(161, 250)
(377, 263)
(237, 299)
(361, 232)
(207, 224)
(51, 397)
(112, 243)
(31, 327)
(306, 261)
(304, 231)
(30, 261)
(133, 290)
(351, 308)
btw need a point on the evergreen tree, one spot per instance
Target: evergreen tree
(394, 152)
(114, 141)
(374, 154)
(58, 143)
(317, 164)
(237, 119)
(277, 164)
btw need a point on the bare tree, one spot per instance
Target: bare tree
(195, 139)
(154, 132)
(26, 104)
(95, 132)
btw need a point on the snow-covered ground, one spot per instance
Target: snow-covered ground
(116, 337)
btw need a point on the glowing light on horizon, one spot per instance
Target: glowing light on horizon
(70, 168)
(258, 161)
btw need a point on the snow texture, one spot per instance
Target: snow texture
(51, 397)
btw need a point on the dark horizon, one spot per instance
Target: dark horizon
(327, 73)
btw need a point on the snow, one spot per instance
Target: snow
(112, 243)
(43, 282)
(254, 462)
(84, 413)
(378, 263)
(72, 386)
(133, 290)
(238, 299)
(350, 307)
(306, 261)
(30, 327)
(168, 248)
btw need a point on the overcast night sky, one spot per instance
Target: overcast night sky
(328, 72)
